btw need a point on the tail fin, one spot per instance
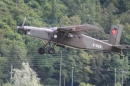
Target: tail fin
(115, 34)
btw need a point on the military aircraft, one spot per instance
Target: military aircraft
(74, 36)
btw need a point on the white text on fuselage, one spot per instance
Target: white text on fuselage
(97, 45)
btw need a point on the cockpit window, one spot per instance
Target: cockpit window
(54, 28)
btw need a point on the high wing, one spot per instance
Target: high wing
(78, 29)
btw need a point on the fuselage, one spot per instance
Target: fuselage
(80, 41)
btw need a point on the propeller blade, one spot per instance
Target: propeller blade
(24, 21)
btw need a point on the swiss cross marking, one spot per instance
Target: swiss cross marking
(113, 31)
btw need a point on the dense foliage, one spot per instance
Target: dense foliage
(90, 67)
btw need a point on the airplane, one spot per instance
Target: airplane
(75, 37)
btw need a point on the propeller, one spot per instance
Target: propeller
(21, 29)
(24, 21)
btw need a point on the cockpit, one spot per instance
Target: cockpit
(54, 28)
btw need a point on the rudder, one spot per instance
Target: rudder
(115, 34)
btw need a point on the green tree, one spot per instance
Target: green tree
(6, 84)
(4, 66)
(89, 11)
(17, 53)
(118, 84)
(75, 20)
(84, 84)
(79, 60)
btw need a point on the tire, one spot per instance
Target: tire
(41, 50)
(121, 57)
(51, 50)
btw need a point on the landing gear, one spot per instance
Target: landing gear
(49, 50)
(41, 50)
(121, 55)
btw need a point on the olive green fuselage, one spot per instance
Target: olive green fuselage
(76, 41)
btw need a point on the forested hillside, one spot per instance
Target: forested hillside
(91, 68)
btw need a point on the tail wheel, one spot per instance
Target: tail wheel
(51, 50)
(41, 50)
(121, 56)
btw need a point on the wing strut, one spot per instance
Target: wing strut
(64, 35)
(61, 38)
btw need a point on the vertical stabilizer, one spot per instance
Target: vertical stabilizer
(115, 34)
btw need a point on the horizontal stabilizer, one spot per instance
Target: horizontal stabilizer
(123, 46)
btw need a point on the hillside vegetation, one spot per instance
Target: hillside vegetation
(90, 67)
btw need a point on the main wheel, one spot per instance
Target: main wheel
(121, 57)
(41, 50)
(51, 50)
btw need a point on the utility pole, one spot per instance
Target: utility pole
(115, 76)
(122, 77)
(11, 74)
(64, 80)
(72, 76)
(60, 68)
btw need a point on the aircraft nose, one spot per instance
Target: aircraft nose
(19, 27)
(22, 28)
